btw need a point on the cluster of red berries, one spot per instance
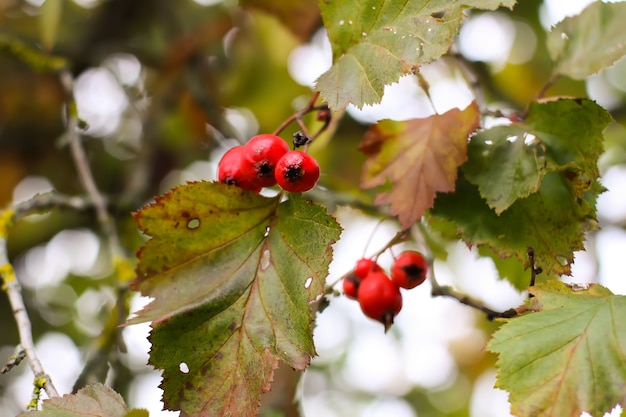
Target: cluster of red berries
(266, 161)
(378, 294)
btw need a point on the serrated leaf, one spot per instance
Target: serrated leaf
(503, 166)
(584, 44)
(553, 221)
(420, 157)
(94, 400)
(568, 357)
(375, 42)
(231, 294)
(509, 162)
(49, 19)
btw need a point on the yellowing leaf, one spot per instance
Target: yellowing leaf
(568, 357)
(95, 400)
(420, 157)
(232, 274)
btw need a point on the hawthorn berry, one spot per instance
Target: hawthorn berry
(353, 280)
(380, 298)
(366, 265)
(409, 269)
(260, 156)
(351, 285)
(297, 172)
(229, 170)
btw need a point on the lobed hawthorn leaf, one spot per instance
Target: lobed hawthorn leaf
(94, 400)
(509, 162)
(584, 44)
(553, 221)
(420, 157)
(232, 274)
(566, 357)
(375, 42)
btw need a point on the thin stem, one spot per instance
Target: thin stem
(446, 291)
(24, 328)
(50, 200)
(297, 117)
(546, 86)
(84, 171)
(399, 237)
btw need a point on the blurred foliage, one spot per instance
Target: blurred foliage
(197, 64)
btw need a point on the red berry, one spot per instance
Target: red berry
(351, 285)
(366, 265)
(229, 170)
(297, 172)
(260, 156)
(409, 269)
(380, 298)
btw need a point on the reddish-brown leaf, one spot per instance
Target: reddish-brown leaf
(420, 157)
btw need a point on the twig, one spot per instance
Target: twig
(446, 291)
(297, 117)
(14, 293)
(14, 360)
(84, 171)
(546, 86)
(122, 264)
(50, 200)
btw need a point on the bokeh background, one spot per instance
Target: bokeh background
(166, 88)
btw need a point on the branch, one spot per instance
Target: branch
(14, 292)
(50, 200)
(446, 291)
(84, 171)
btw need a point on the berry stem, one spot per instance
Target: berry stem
(297, 117)
(399, 237)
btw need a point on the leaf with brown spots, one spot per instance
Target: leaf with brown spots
(420, 157)
(232, 274)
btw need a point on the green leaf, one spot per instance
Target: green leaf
(553, 221)
(420, 157)
(509, 162)
(583, 45)
(232, 274)
(567, 357)
(49, 19)
(503, 166)
(375, 42)
(95, 400)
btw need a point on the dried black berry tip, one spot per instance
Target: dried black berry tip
(300, 139)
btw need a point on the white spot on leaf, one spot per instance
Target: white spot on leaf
(265, 259)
